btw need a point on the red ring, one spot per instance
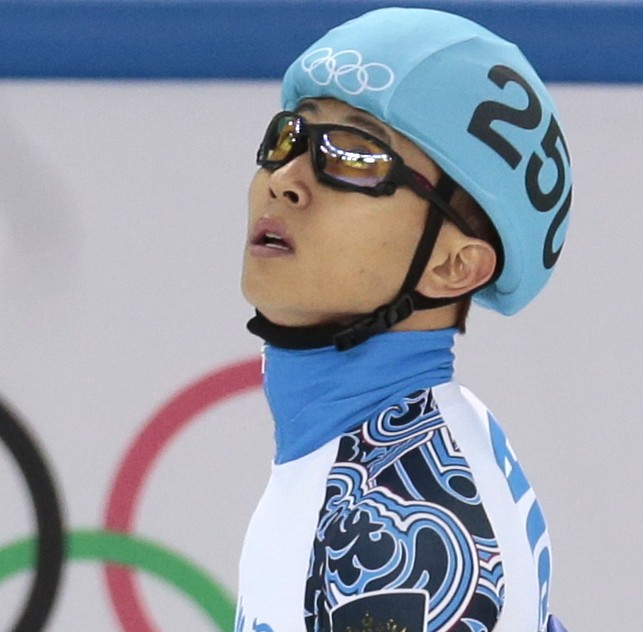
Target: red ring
(139, 460)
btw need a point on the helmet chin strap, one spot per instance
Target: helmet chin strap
(346, 337)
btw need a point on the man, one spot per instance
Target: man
(419, 161)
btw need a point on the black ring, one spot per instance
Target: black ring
(51, 538)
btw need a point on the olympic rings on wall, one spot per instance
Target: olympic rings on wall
(48, 553)
(115, 544)
(137, 553)
(153, 439)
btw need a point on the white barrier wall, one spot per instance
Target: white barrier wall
(122, 220)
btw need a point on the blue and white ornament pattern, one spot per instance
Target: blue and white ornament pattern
(402, 513)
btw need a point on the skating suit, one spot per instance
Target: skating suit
(395, 503)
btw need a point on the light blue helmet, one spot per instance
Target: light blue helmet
(473, 103)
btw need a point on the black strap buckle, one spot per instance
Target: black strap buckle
(380, 321)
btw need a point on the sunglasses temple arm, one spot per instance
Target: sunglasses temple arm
(451, 214)
(425, 190)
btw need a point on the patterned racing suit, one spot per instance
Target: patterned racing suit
(395, 503)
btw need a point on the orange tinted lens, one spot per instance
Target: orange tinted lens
(283, 140)
(353, 159)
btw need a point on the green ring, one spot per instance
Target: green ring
(129, 550)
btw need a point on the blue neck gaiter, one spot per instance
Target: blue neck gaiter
(317, 394)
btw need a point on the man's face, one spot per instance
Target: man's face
(317, 255)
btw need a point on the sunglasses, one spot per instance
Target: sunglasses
(348, 159)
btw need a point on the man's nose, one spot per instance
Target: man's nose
(294, 181)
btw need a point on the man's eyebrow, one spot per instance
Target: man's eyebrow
(358, 120)
(307, 106)
(370, 126)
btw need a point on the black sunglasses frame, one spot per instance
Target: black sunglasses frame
(309, 136)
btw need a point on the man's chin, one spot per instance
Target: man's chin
(277, 317)
(308, 319)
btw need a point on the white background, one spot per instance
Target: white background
(122, 221)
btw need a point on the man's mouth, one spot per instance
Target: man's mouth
(269, 237)
(273, 240)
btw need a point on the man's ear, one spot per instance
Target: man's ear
(458, 264)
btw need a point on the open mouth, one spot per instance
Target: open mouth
(269, 235)
(273, 240)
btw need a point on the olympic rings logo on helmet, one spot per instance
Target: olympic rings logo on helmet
(347, 70)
